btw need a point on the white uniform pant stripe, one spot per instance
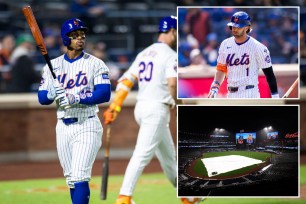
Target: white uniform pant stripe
(153, 137)
(78, 145)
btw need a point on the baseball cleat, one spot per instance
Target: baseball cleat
(191, 200)
(124, 200)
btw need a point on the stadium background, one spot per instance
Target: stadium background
(27, 148)
(277, 28)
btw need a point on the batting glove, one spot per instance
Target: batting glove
(59, 89)
(111, 114)
(276, 95)
(214, 89)
(51, 93)
(63, 101)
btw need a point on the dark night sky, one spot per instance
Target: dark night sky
(235, 118)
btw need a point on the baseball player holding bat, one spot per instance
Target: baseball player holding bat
(84, 80)
(155, 69)
(240, 58)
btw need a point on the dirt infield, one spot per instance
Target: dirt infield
(38, 170)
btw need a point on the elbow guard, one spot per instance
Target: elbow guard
(123, 88)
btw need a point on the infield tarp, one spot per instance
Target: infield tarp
(219, 165)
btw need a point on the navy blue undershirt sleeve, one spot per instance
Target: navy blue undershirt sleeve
(101, 94)
(43, 99)
(271, 79)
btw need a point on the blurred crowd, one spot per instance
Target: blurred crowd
(21, 62)
(201, 30)
(300, 3)
(242, 3)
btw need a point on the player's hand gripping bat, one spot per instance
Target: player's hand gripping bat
(105, 168)
(291, 88)
(28, 13)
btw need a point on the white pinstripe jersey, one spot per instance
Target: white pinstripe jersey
(243, 60)
(76, 76)
(153, 66)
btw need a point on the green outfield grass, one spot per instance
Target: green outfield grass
(151, 189)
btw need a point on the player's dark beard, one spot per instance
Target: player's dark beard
(237, 34)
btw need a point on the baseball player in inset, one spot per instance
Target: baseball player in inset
(155, 69)
(84, 80)
(240, 58)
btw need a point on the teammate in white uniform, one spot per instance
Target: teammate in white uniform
(240, 58)
(82, 83)
(155, 68)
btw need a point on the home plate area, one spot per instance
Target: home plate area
(223, 164)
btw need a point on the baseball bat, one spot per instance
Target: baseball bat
(291, 88)
(28, 13)
(105, 168)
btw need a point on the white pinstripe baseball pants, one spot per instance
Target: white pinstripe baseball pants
(77, 147)
(154, 137)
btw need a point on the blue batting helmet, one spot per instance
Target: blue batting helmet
(69, 26)
(240, 19)
(167, 23)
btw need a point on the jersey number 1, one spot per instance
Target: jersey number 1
(145, 71)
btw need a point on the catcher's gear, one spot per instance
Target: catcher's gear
(69, 26)
(240, 19)
(167, 23)
(214, 89)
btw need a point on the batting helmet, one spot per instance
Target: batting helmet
(69, 26)
(167, 23)
(240, 19)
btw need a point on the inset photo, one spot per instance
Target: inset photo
(238, 151)
(238, 52)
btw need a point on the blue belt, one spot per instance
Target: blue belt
(69, 121)
(234, 89)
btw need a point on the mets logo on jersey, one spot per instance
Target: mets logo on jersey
(80, 80)
(243, 60)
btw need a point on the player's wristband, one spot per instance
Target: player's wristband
(115, 107)
(217, 83)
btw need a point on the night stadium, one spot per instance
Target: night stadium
(250, 151)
